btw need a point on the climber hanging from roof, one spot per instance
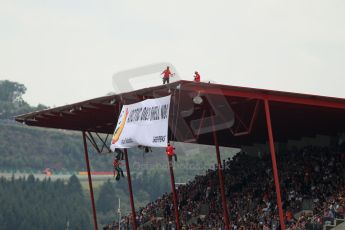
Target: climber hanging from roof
(170, 152)
(120, 154)
(117, 169)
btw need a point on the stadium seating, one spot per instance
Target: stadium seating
(312, 185)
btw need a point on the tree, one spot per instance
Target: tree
(74, 185)
(11, 92)
(107, 198)
(12, 102)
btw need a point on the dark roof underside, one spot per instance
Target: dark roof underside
(293, 115)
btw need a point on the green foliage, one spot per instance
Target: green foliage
(11, 101)
(107, 198)
(26, 149)
(11, 91)
(29, 203)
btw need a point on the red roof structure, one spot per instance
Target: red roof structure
(293, 115)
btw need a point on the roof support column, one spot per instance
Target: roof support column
(172, 178)
(134, 221)
(90, 182)
(274, 164)
(221, 180)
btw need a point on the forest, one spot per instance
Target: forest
(28, 203)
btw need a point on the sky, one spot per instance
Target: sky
(67, 51)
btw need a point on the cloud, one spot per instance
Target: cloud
(62, 46)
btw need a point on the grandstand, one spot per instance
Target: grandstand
(308, 194)
(303, 188)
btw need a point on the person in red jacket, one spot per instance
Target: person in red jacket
(166, 75)
(196, 76)
(170, 152)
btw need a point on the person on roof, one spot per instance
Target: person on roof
(117, 169)
(170, 152)
(196, 76)
(166, 75)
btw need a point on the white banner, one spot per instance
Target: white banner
(144, 123)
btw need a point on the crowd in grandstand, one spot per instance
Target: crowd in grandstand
(314, 174)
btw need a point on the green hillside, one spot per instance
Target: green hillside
(33, 149)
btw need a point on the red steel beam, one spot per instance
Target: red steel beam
(221, 180)
(90, 182)
(274, 164)
(306, 100)
(172, 178)
(130, 190)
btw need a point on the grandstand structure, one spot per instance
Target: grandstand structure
(204, 113)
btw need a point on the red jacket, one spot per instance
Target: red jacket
(197, 77)
(116, 163)
(170, 150)
(166, 73)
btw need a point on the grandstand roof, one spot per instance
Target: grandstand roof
(293, 115)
